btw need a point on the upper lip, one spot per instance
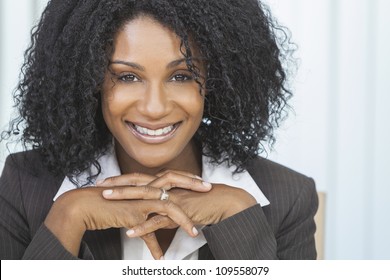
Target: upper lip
(152, 126)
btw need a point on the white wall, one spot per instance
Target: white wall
(16, 20)
(338, 134)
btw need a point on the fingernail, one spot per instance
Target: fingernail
(98, 182)
(197, 177)
(107, 192)
(162, 258)
(195, 231)
(130, 232)
(206, 184)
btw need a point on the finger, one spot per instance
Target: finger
(148, 197)
(172, 179)
(132, 179)
(153, 245)
(151, 225)
(170, 209)
(185, 173)
(143, 192)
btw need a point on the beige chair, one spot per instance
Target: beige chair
(320, 223)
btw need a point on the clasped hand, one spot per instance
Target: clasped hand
(133, 201)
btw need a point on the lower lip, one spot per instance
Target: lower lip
(153, 139)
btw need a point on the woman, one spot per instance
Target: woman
(163, 105)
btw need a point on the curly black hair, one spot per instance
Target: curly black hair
(59, 94)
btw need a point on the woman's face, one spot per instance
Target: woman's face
(151, 103)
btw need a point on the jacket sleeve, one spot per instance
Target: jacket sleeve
(45, 246)
(248, 235)
(16, 238)
(296, 234)
(245, 235)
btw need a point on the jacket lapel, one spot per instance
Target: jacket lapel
(205, 253)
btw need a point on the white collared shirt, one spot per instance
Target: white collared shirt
(182, 246)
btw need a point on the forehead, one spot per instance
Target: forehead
(145, 36)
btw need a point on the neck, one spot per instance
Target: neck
(189, 160)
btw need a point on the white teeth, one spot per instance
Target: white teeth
(151, 132)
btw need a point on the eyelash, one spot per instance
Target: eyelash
(183, 77)
(128, 78)
(131, 78)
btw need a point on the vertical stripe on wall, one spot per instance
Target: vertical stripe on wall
(380, 147)
(332, 129)
(351, 217)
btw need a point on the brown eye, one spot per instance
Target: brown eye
(181, 78)
(128, 78)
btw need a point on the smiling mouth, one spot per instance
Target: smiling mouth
(153, 136)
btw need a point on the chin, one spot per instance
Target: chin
(153, 161)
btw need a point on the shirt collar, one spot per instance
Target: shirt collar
(223, 174)
(182, 246)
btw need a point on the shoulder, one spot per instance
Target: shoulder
(29, 164)
(27, 187)
(27, 171)
(293, 204)
(26, 161)
(272, 177)
(285, 188)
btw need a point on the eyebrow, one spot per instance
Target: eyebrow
(171, 64)
(131, 64)
(177, 62)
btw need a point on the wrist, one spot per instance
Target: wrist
(241, 201)
(64, 222)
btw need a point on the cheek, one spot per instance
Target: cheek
(114, 102)
(110, 103)
(191, 101)
(111, 109)
(107, 106)
(196, 107)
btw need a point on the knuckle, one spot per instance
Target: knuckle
(132, 183)
(187, 222)
(149, 236)
(119, 190)
(147, 189)
(113, 180)
(133, 180)
(194, 181)
(108, 180)
(140, 228)
(157, 220)
(169, 175)
(169, 204)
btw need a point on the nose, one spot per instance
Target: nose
(154, 104)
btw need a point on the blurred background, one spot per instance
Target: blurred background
(339, 132)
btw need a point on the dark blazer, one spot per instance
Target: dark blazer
(283, 230)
